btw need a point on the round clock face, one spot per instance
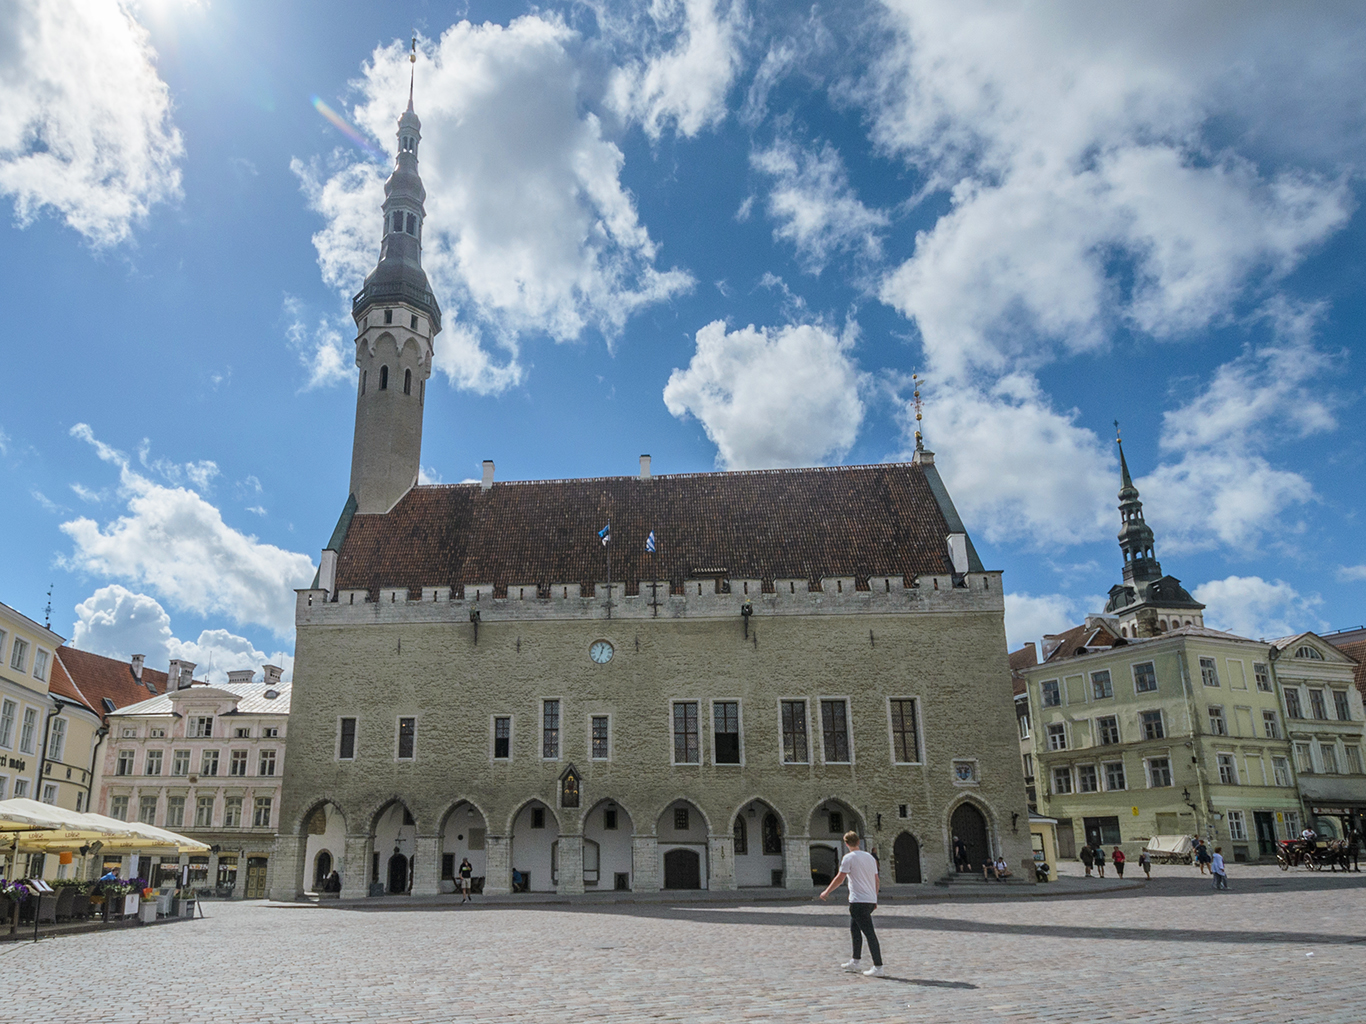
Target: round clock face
(601, 652)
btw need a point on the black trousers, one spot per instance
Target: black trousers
(861, 924)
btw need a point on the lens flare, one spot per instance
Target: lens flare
(345, 127)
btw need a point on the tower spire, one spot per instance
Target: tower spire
(1126, 482)
(412, 72)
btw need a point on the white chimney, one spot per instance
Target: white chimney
(180, 674)
(487, 482)
(137, 662)
(645, 468)
(958, 552)
(241, 675)
(272, 674)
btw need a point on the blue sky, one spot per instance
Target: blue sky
(723, 233)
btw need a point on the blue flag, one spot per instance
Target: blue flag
(605, 534)
(650, 542)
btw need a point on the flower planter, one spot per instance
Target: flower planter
(147, 911)
(187, 908)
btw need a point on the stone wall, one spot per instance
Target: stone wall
(380, 660)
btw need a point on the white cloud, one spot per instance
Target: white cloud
(1250, 606)
(175, 542)
(324, 354)
(1072, 139)
(1019, 470)
(687, 84)
(529, 229)
(85, 123)
(814, 205)
(4, 442)
(771, 397)
(119, 623)
(1030, 616)
(1212, 498)
(1352, 573)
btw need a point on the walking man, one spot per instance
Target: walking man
(1217, 869)
(864, 882)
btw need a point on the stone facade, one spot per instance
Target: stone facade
(394, 658)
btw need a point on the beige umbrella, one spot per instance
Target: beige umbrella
(21, 815)
(118, 836)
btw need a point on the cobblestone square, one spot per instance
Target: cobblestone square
(1277, 947)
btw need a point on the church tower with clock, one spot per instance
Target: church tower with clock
(397, 319)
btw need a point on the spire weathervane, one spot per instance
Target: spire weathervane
(919, 412)
(412, 71)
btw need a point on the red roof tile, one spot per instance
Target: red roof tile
(1356, 650)
(1074, 640)
(98, 678)
(770, 524)
(59, 683)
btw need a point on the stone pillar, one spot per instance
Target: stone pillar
(356, 868)
(284, 880)
(721, 862)
(497, 865)
(645, 864)
(570, 865)
(796, 862)
(427, 870)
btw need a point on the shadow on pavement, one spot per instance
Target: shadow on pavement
(928, 982)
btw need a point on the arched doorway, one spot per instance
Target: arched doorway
(683, 828)
(322, 867)
(682, 869)
(463, 838)
(906, 860)
(325, 828)
(825, 865)
(970, 826)
(534, 833)
(607, 829)
(398, 873)
(757, 832)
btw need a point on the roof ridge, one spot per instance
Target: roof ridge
(776, 471)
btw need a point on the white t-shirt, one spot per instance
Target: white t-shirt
(861, 868)
(1218, 865)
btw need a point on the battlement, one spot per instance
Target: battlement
(699, 599)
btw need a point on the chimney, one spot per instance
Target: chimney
(1033, 651)
(958, 552)
(487, 482)
(273, 672)
(645, 469)
(180, 674)
(241, 675)
(137, 661)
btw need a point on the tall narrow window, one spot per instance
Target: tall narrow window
(203, 812)
(1228, 771)
(153, 764)
(1263, 677)
(502, 738)
(407, 382)
(1305, 758)
(1057, 736)
(124, 764)
(118, 807)
(175, 811)
(1280, 771)
(1145, 678)
(180, 762)
(726, 720)
(1152, 725)
(412, 224)
(835, 731)
(7, 712)
(905, 732)
(147, 810)
(1270, 725)
(1100, 685)
(1218, 725)
(266, 765)
(364, 376)
(18, 655)
(346, 742)
(1114, 776)
(550, 729)
(407, 734)
(600, 748)
(1292, 703)
(1328, 752)
(794, 732)
(1317, 705)
(772, 834)
(1062, 781)
(237, 763)
(1159, 772)
(741, 833)
(686, 740)
(208, 763)
(1108, 729)
(40, 657)
(1049, 693)
(1088, 781)
(29, 730)
(384, 378)
(261, 814)
(56, 741)
(1208, 674)
(1344, 709)
(232, 812)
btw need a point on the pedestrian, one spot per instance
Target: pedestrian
(1100, 861)
(960, 855)
(1118, 858)
(997, 869)
(864, 882)
(1146, 863)
(466, 876)
(1217, 868)
(1087, 857)
(1202, 856)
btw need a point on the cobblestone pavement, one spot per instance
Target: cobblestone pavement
(1277, 947)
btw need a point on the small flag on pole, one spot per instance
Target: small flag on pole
(650, 542)
(605, 534)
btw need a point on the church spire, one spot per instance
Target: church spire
(1135, 535)
(412, 73)
(397, 317)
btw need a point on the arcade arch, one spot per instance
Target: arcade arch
(463, 835)
(826, 827)
(393, 845)
(607, 829)
(325, 829)
(535, 830)
(758, 832)
(681, 832)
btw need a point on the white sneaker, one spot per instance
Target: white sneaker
(875, 971)
(852, 965)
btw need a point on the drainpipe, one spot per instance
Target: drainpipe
(1197, 747)
(100, 734)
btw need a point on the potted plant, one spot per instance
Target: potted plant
(147, 906)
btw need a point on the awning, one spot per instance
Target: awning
(74, 830)
(16, 816)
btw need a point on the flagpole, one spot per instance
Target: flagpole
(608, 546)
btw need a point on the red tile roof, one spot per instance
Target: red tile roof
(769, 524)
(1026, 657)
(60, 684)
(97, 678)
(1356, 649)
(1073, 641)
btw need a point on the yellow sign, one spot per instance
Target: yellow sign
(1280, 816)
(1135, 810)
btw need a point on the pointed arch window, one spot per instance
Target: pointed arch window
(569, 787)
(772, 835)
(741, 837)
(407, 382)
(384, 378)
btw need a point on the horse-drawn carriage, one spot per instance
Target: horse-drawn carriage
(1317, 854)
(1170, 849)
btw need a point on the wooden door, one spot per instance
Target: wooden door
(256, 878)
(906, 859)
(682, 870)
(969, 826)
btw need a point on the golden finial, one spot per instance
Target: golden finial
(918, 380)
